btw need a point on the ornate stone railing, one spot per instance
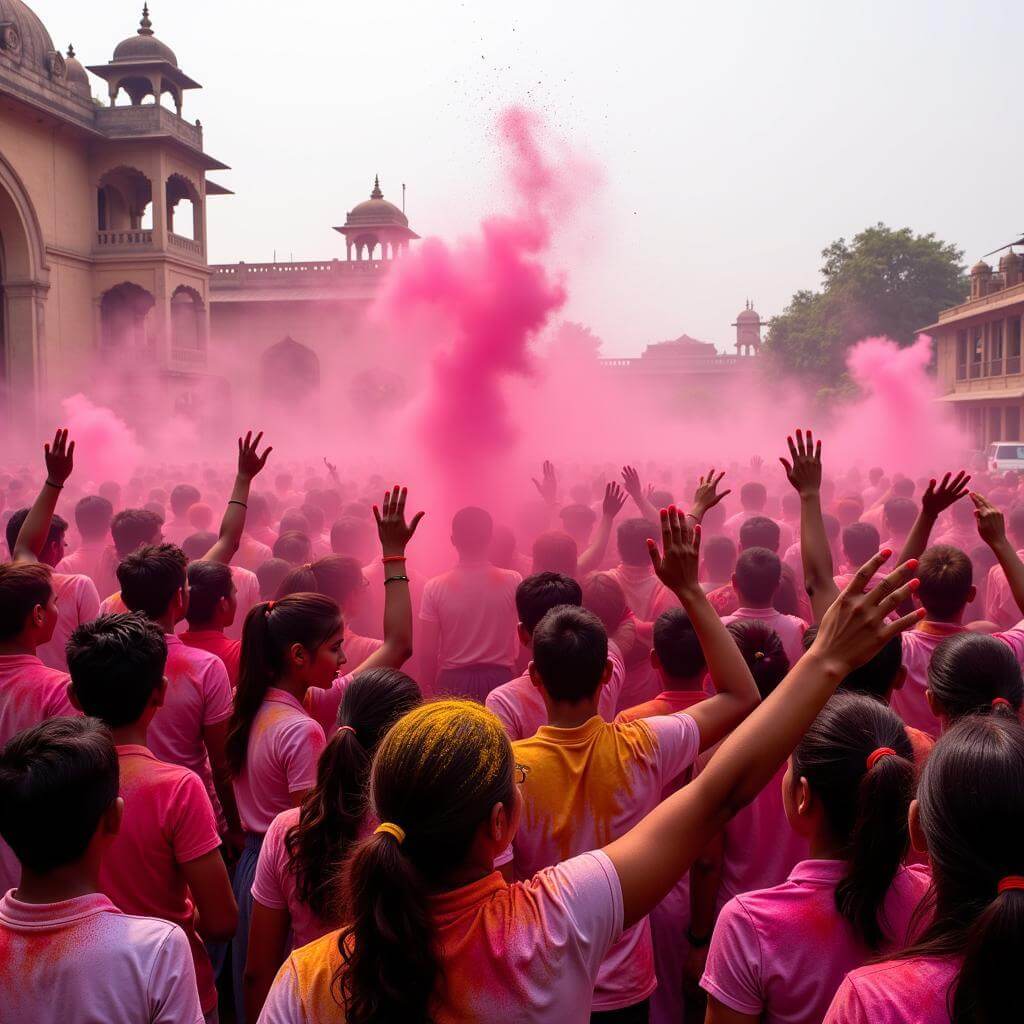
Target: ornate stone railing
(131, 238)
(151, 119)
(189, 245)
(697, 364)
(228, 275)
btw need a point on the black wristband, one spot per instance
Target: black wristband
(698, 942)
(234, 501)
(57, 487)
(395, 579)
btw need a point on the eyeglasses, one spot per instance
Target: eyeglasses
(522, 771)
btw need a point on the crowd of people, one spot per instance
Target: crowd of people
(734, 755)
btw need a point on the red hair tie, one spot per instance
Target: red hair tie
(876, 755)
(270, 607)
(1001, 702)
(1011, 882)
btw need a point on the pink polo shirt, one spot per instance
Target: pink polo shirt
(77, 602)
(95, 559)
(521, 707)
(646, 596)
(789, 628)
(113, 605)
(919, 644)
(1000, 606)
(217, 643)
(780, 954)
(247, 590)
(275, 887)
(281, 759)
(167, 822)
(251, 553)
(198, 696)
(474, 607)
(588, 786)
(528, 952)
(897, 992)
(82, 961)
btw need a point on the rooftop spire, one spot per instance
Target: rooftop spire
(71, 51)
(376, 193)
(145, 26)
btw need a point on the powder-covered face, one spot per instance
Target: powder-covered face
(327, 661)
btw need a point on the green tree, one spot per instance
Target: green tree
(884, 282)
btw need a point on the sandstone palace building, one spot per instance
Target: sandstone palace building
(105, 284)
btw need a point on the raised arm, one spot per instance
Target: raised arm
(735, 691)
(614, 499)
(60, 460)
(707, 495)
(992, 530)
(395, 535)
(655, 853)
(250, 464)
(631, 483)
(934, 501)
(803, 470)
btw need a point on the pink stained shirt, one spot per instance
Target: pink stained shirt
(30, 693)
(198, 696)
(113, 605)
(528, 952)
(919, 644)
(168, 821)
(1000, 606)
(522, 710)
(77, 602)
(760, 846)
(897, 992)
(95, 559)
(281, 758)
(323, 705)
(215, 642)
(789, 628)
(247, 590)
(588, 786)
(82, 961)
(646, 596)
(474, 609)
(251, 553)
(767, 955)
(275, 886)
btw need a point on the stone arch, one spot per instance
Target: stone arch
(124, 200)
(290, 371)
(181, 188)
(188, 319)
(125, 319)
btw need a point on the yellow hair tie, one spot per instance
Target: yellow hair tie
(393, 830)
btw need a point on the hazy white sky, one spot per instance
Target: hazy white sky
(737, 138)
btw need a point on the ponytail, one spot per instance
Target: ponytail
(858, 762)
(971, 810)
(335, 808)
(270, 629)
(436, 777)
(763, 652)
(975, 674)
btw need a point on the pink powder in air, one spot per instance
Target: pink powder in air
(105, 446)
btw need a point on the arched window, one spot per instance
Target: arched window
(184, 208)
(188, 325)
(124, 201)
(124, 312)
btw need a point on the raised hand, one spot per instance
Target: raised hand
(392, 528)
(856, 627)
(547, 486)
(250, 462)
(936, 500)
(631, 482)
(756, 463)
(331, 467)
(60, 458)
(677, 563)
(991, 525)
(707, 495)
(803, 469)
(614, 499)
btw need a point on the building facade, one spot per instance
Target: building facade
(978, 353)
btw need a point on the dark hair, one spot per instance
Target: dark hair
(582, 515)
(832, 526)
(677, 646)
(603, 595)
(760, 532)
(541, 592)
(946, 576)
(314, 515)
(92, 517)
(556, 552)
(865, 807)
(900, 513)
(116, 664)
(334, 809)
(270, 575)
(472, 530)
(150, 577)
(763, 652)
(183, 497)
(335, 576)
(753, 496)
(570, 651)
(970, 671)
(23, 586)
(134, 527)
(57, 780)
(971, 809)
(631, 539)
(437, 774)
(209, 583)
(293, 547)
(903, 488)
(195, 545)
(271, 628)
(294, 521)
(58, 527)
(349, 534)
(860, 543)
(719, 556)
(758, 572)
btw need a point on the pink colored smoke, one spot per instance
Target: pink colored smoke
(105, 446)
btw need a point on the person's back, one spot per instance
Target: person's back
(94, 556)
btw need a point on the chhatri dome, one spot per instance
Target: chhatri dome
(376, 211)
(376, 229)
(748, 330)
(76, 75)
(144, 46)
(23, 37)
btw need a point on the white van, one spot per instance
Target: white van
(1004, 455)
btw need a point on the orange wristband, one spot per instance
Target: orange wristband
(388, 559)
